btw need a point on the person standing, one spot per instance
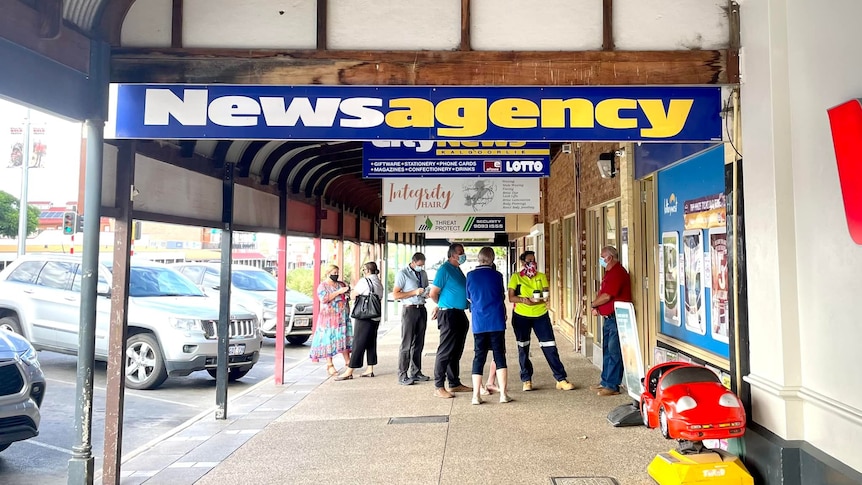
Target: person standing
(411, 286)
(365, 338)
(333, 333)
(530, 314)
(616, 286)
(487, 305)
(449, 291)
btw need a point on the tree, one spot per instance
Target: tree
(300, 279)
(9, 216)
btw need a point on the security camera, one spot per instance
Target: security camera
(621, 152)
(606, 165)
(567, 148)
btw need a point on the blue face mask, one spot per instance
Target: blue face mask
(462, 259)
(419, 268)
(602, 262)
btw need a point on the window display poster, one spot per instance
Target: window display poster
(691, 199)
(719, 320)
(630, 346)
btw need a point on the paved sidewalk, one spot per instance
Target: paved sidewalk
(316, 430)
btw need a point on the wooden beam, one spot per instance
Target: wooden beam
(23, 26)
(608, 25)
(481, 68)
(321, 24)
(177, 24)
(51, 18)
(111, 20)
(735, 42)
(465, 25)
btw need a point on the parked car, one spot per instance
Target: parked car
(171, 323)
(22, 387)
(256, 290)
(689, 402)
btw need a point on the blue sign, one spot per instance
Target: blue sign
(558, 113)
(692, 252)
(386, 159)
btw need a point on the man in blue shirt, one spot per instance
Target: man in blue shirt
(449, 291)
(411, 285)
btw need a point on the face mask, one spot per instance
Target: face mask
(419, 268)
(531, 265)
(462, 259)
(603, 263)
(333, 277)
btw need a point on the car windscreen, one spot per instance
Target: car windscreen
(253, 280)
(155, 281)
(685, 375)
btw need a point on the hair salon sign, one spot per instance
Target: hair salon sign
(460, 196)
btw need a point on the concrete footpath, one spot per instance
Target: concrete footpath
(372, 430)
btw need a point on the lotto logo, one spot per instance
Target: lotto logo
(493, 166)
(846, 122)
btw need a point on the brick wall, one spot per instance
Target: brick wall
(595, 189)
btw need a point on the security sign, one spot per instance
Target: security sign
(455, 159)
(459, 224)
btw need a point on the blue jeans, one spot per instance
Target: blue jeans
(612, 355)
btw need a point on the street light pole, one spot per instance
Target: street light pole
(22, 203)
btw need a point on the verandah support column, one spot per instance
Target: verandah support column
(281, 289)
(224, 291)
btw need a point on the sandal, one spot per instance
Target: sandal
(344, 378)
(369, 374)
(330, 369)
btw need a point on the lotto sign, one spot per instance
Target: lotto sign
(385, 159)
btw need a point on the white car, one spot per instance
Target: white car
(22, 388)
(256, 290)
(171, 323)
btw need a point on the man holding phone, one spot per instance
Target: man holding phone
(411, 287)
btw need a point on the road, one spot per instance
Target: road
(148, 414)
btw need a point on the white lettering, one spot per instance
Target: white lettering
(322, 114)
(160, 104)
(524, 166)
(365, 116)
(234, 111)
(420, 146)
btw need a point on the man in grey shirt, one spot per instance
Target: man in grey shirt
(411, 287)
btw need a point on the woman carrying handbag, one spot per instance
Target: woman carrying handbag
(367, 294)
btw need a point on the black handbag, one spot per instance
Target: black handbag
(367, 307)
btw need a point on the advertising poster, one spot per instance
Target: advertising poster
(691, 215)
(670, 277)
(718, 256)
(460, 196)
(633, 364)
(459, 224)
(695, 307)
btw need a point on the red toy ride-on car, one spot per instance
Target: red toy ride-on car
(688, 402)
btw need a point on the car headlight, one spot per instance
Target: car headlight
(685, 403)
(269, 304)
(186, 324)
(29, 357)
(728, 400)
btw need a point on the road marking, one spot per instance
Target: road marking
(130, 392)
(50, 447)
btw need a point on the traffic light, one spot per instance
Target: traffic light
(79, 225)
(69, 223)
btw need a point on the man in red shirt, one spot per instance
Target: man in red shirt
(616, 286)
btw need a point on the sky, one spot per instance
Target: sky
(57, 181)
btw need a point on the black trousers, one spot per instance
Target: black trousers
(414, 322)
(453, 325)
(364, 341)
(485, 341)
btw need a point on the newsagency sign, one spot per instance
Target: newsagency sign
(460, 224)
(558, 113)
(460, 196)
(384, 158)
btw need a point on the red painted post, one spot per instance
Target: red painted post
(72, 247)
(280, 299)
(318, 255)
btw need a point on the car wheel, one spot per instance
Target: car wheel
(3, 447)
(145, 367)
(10, 324)
(297, 339)
(233, 374)
(644, 413)
(662, 422)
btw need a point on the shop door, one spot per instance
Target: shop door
(645, 282)
(603, 224)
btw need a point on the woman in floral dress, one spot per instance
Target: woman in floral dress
(333, 333)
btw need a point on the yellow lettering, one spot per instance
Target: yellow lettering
(580, 113)
(467, 117)
(665, 125)
(418, 113)
(514, 113)
(608, 113)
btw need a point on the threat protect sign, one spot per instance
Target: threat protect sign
(529, 113)
(459, 224)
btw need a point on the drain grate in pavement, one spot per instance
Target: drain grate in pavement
(583, 481)
(419, 420)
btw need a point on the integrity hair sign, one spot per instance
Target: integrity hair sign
(623, 113)
(460, 196)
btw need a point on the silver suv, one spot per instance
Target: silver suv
(172, 324)
(255, 289)
(22, 387)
